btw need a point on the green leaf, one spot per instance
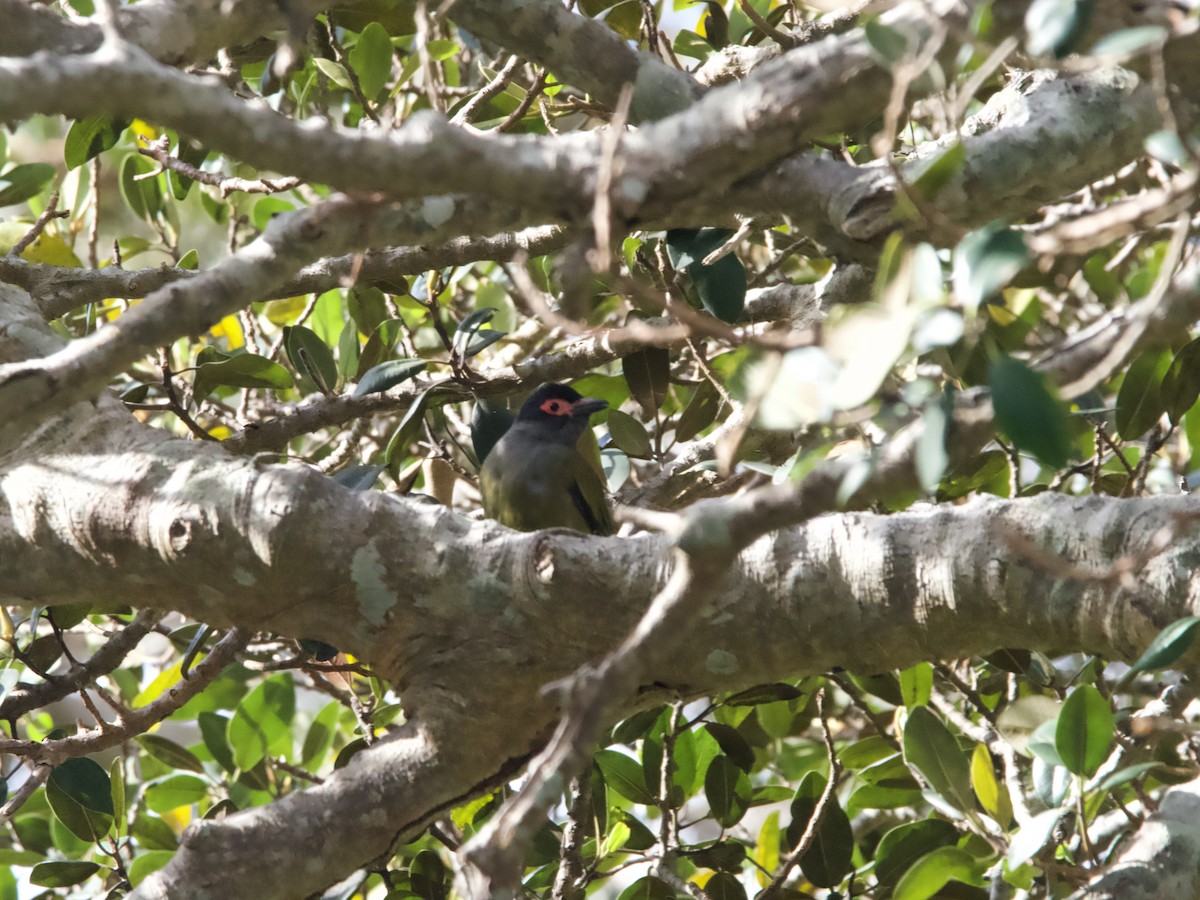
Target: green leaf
(933, 751)
(648, 373)
(441, 49)
(311, 357)
(700, 412)
(648, 888)
(24, 181)
(905, 844)
(490, 421)
(170, 753)
(90, 137)
(1055, 26)
(1168, 645)
(358, 477)
(261, 724)
(62, 874)
(721, 286)
(1032, 837)
(1129, 40)
(174, 792)
(993, 796)
(732, 744)
(931, 873)
(335, 72)
(146, 863)
(830, 857)
(116, 777)
(143, 196)
(724, 886)
(213, 729)
(916, 685)
(1140, 402)
(84, 781)
(1085, 730)
(194, 155)
(268, 208)
(469, 326)
(985, 261)
(624, 775)
(246, 370)
(629, 434)
(764, 693)
(889, 43)
(388, 374)
(1031, 416)
(940, 170)
(1181, 385)
(427, 875)
(371, 59)
(88, 825)
(728, 790)
(319, 739)
(406, 432)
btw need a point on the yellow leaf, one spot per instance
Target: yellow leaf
(285, 311)
(220, 432)
(230, 328)
(766, 851)
(49, 249)
(993, 796)
(144, 130)
(178, 818)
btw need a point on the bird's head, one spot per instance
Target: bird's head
(559, 412)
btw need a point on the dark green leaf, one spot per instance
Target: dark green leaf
(624, 775)
(389, 374)
(732, 744)
(933, 751)
(887, 42)
(723, 856)
(905, 844)
(490, 421)
(648, 888)
(940, 170)
(213, 729)
(830, 856)
(648, 373)
(481, 340)
(168, 752)
(90, 137)
(1055, 26)
(471, 324)
(311, 357)
(721, 286)
(1168, 645)
(194, 155)
(724, 886)
(1085, 730)
(87, 825)
(985, 261)
(728, 790)
(427, 875)
(62, 874)
(764, 693)
(1181, 385)
(406, 432)
(629, 434)
(700, 412)
(84, 781)
(1033, 419)
(359, 477)
(1140, 402)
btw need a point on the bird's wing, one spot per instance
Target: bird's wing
(589, 496)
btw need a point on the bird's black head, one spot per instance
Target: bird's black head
(559, 410)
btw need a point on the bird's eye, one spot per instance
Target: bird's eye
(556, 407)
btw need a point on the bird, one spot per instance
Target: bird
(537, 477)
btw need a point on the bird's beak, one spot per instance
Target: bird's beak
(585, 406)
